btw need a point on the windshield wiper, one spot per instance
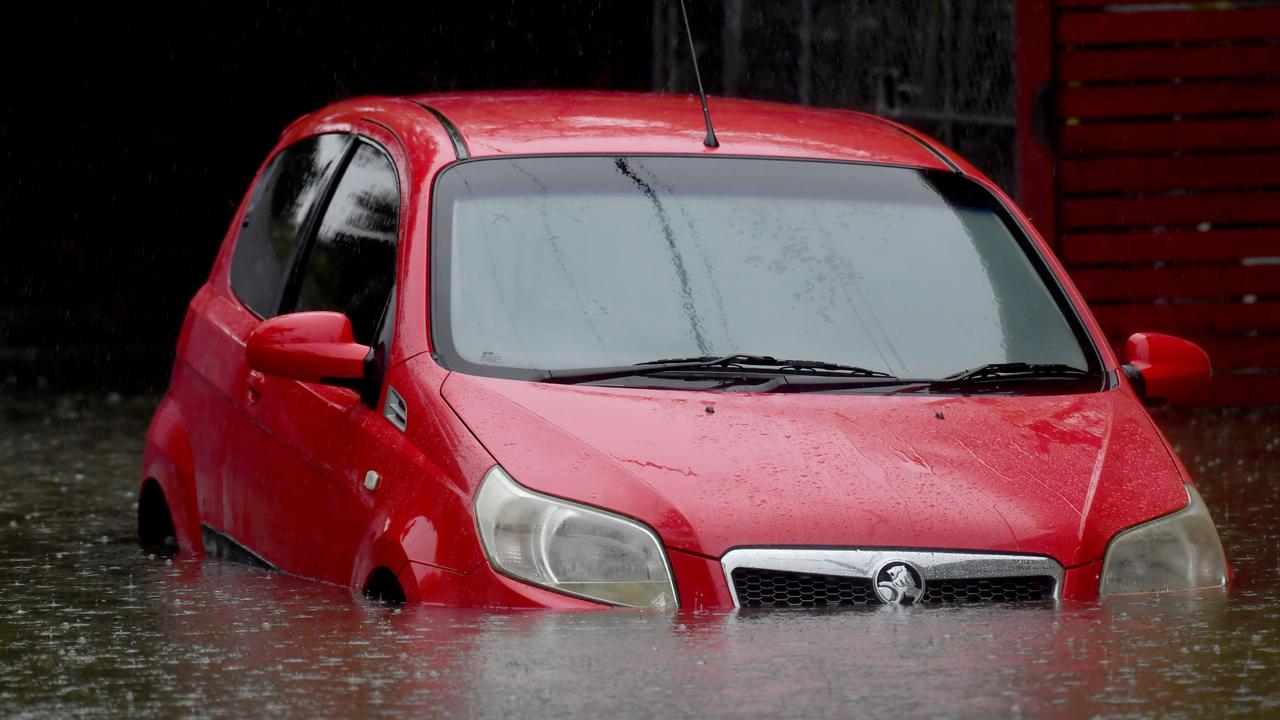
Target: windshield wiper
(768, 361)
(1014, 370)
(718, 365)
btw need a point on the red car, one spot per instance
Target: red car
(551, 350)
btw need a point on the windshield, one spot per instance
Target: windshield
(552, 263)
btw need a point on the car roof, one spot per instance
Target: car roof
(560, 122)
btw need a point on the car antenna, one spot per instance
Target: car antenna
(710, 141)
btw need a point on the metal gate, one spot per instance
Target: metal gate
(1149, 151)
(942, 66)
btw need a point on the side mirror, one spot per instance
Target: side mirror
(309, 346)
(1163, 367)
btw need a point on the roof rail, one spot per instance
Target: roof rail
(926, 145)
(459, 144)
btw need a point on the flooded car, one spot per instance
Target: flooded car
(552, 350)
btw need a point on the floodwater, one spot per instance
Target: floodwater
(90, 625)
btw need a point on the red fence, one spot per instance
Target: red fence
(1149, 151)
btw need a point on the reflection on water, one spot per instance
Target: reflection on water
(88, 623)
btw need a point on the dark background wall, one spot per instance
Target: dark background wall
(128, 134)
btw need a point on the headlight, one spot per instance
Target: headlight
(1175, 552)
(571, 548)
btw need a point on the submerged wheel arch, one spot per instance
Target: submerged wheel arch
(384, 586)
(155, 521)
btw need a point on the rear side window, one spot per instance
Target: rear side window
(350, 267)
(275, 220)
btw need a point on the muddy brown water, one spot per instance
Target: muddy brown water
(92, 626)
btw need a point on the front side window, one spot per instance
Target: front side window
(274, 221)
(350, 267)
(553, 263)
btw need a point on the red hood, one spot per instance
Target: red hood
(1055, 475)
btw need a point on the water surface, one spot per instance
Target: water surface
(91, 625)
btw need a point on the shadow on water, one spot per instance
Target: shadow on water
(90, 624)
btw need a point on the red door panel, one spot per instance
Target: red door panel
(296, 504)
(212, 362)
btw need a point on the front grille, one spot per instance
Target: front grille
(770, 588)
(973, 590)
(776, 589)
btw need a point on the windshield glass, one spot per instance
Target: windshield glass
(551, 263)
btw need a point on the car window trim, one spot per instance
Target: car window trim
(291, 287)
(384, 335)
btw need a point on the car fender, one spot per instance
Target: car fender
(169, 461)
(413, 532)
(379, 549)
(423, 509)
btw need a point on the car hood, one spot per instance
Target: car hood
(1053, 475)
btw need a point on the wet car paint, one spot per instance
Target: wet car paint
(93, 626)
(276, 465)
(819, 469)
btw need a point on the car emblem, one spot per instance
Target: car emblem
(899, 583)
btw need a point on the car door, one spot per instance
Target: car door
(219, 385)
(302, 505)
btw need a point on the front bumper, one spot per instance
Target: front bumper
(704, 584)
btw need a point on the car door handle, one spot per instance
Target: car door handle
(254, 385)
